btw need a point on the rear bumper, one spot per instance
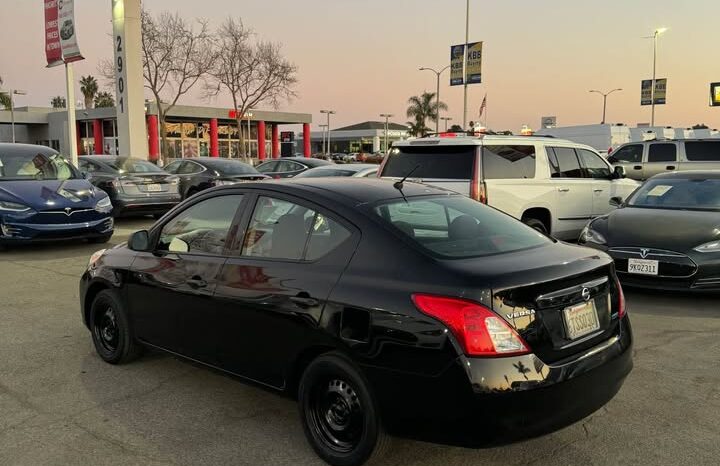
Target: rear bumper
(484, 402)
(13, 232)
(147, 205)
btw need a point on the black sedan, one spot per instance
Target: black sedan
(135, 187)
(382, 307)
(667, 234)
(199, 173)
(287, 167)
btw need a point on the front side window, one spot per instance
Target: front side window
(27, 165)
(567, 164)
(595, 166)
(267, 167)
(703, 151)
(677, 193)
(508, 162)
(628, 154)
(458, 227)
(663, 152)
(201, 228)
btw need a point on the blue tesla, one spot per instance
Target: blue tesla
(44, 198)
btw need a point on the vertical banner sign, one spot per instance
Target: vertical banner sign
(473, 65)
(68, 34)
(715, 94)
(660, 92)
(53, 50)
(456, 65)
(646, 92)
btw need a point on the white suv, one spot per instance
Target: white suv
(553, 185)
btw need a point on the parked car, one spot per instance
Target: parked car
(382, 307)
(555, 186)
(666, 234)
(644, 159)
(357, 170)
(135, 187)
(43, 198)
(199, 173)
(287, 167)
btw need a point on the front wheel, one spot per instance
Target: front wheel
(111, 332)
(339, 414)
(536, 224)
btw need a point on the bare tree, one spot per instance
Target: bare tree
(252, 72)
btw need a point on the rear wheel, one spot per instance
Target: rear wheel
(536, 224)
(111, 332)
(339, 414)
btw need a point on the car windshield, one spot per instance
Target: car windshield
(231, 167)
(28, 165)
(323, 172)
(678, 193)
(458, 227)
(128, 165)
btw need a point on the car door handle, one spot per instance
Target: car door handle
(196, 282)
(598, 190)
(303, 301)
(637, 167)
(670, 167)
(564, 190)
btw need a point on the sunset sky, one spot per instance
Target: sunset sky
(360, 57)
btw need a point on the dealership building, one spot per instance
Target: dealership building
(190, 131)
(368, 137)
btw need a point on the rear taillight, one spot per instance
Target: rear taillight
(478, 330)
(621, 299)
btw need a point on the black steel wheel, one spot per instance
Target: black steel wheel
(110, 328)
(536, 224)
(339, 414)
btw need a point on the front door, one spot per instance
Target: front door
(171, 289)
(602, 185)
(630, 157)
(574, 203)
(661, 158)
(272, 292)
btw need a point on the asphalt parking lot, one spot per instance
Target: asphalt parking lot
(60, 405)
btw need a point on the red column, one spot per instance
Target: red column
(261, 139)
(98, 134)
(80, 148)
(153, 144)
(275, 141)
(306, 139)
(214, 148)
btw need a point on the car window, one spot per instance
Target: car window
(325, 235)
(508, 162)
(663, 152)
(431, 162)
(267, 167)
(458, 227)
(595, 166)
(567, 162)
(703, 151)
(189, 168)
(128, 165)
(201, 228)
(87, 166)
(288, 166)
(25, 165)
(629, 154)
(371, 173)
(173, 167)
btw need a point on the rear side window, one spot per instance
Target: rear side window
(439, 162)
(565, 163)
(629, 154)
(507, 162)
(662, 153)
(703, 151)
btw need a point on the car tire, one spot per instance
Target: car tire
(339, 414)
(100, 239)
(111, 332)
(536, 224)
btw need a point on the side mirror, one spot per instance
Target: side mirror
(139, 241)
(616, 201)
(619, 172)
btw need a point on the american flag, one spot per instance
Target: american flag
(483, 105)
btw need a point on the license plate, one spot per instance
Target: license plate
(642, 266)
(153, 188)
(581, 319)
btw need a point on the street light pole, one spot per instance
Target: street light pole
(11, 93)
(654, 37)
(446, 119)
(387, 116)
(465, 84)
(437, 94)
(605, 95)
(328, 113)
(323, 128)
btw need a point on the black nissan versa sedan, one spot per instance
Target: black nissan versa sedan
(666, 235)
(383, 307)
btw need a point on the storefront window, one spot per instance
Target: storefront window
(189, 130)
(108, 128)
(173, 130)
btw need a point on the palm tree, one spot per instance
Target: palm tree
(4, 97)
(89, 89)
(104, 99)
(58, 102)
(423, 108)
(417, 128)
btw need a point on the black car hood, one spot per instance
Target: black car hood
(674, 230)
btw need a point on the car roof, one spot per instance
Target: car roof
(488, 139)
(310, 162)
(351, 167)
(689, 174)
(212, 160)
(18, 148)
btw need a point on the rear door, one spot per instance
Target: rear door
(273, 288)
(602, 184)
(451, 167)
(661, 157)
(188, 172)
(574, 204)
(701, 155)
(630, 157)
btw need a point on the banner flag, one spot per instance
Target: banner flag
(473, 65)
(68, 33)
(53, 50)
(457, 53)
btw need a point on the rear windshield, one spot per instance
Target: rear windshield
(508, 162)
(703, 151)
(432, 162)
(231, 167)
(458, 227)
(126, 165)
(323, 172)
(676, 193)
